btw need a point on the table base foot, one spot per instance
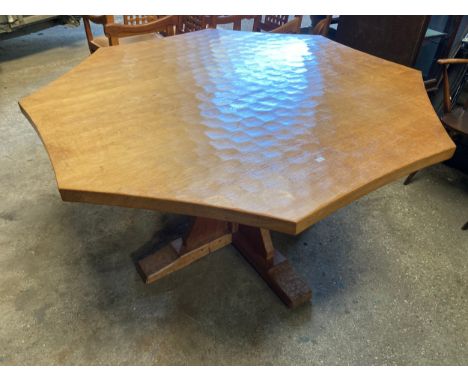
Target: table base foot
(208, 235)
(256, 246)
(204, 237)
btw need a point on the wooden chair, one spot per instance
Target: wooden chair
(214, 21)
(455, 118)
(188, 24)
(270, 22)
(322, 27)
(165, 26)
(154, 27)
(139, 19)
(394, 38)
(177, 24)
(293, 26)
(94, 43)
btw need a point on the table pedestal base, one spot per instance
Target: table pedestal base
(256, 246)
(208, 235)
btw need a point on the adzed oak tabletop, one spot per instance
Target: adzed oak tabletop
(269, 130)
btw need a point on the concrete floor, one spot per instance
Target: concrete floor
(389, 272)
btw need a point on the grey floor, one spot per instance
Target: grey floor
(389, 272)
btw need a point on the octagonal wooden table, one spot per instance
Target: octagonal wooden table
(246, 132)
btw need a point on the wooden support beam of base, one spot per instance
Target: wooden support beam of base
(208, 235)
(204, 237)
(256, 246)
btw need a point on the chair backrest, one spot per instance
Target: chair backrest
(293, 26)
(236, 20)
(165, 25)
(269, 22)
(322, 27)
(139, 19)
(188, 23)
(109, 19)
(394, 38)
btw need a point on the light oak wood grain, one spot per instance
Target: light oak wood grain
(268, 130)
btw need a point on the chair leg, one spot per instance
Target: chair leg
(409, 178)
(465, 227)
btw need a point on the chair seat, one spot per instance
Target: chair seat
(457, 120)
(103, 41)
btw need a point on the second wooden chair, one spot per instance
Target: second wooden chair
(102, 41)
(455, 118)
(165, 26)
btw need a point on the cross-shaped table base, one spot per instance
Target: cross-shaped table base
(208, 235)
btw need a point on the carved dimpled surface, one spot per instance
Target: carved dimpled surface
(264, 129)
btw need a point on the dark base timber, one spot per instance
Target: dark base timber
(208, 235)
